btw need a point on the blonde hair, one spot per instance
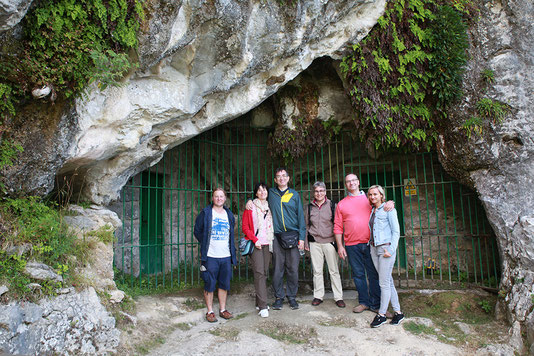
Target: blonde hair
(216, 189)
(380, 190)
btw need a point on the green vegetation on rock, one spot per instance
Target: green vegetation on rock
(407, 72)
(66, 45)
(33, 230)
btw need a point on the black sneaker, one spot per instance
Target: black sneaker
(378, 321)
(278, 303)
(293, 304)
(397, 319)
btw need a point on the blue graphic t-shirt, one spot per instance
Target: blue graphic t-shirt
(220, 234)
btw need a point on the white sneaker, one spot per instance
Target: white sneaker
(264, 313)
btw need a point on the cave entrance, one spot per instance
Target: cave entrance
(445, 237)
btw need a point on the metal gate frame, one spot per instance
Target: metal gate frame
(446, 235)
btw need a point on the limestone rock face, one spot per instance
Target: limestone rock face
(203, 64)
(499, 164)
(92, 223)
(69, 324)
(11, 12)
(45, 132)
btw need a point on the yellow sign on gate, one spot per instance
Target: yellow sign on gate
(409, 187)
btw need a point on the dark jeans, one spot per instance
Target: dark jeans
(285, 262)
(361, 263)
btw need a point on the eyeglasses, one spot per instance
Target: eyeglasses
(351, 180)
(281, 176)
(320, 191)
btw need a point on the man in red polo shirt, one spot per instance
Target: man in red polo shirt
(352, 222)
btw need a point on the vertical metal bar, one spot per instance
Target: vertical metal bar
(428, 214)
(479, 247)
(494, 264)
(465, 231)
(163, 200)
(405, 239)
(455, 232)
(446, 225)
(437, 219)
(419, 218)
(412, 224)
(171, 202)
(179, 238)
(186, 232)
(140, 227)
(239, 188)
(472, 239)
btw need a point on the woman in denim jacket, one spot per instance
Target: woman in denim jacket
(385, 233)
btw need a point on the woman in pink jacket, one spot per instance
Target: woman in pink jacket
(258, 227)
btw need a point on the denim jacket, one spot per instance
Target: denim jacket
(386, 228)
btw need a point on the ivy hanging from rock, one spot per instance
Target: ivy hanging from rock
(406, 73)
(66, 45)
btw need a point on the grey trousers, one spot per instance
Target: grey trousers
(260, 261)
(285, 262)
(384, 267)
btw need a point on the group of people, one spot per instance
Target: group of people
(361, 228)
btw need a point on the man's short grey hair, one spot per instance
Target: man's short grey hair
(319, 184)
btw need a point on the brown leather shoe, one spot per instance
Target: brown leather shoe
(340, 303)
(360, 308)
(225, 314)
(211, 317)
(316, 301)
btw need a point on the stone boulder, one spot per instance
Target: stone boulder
(41, 272)
(94, 223)
(69, 324)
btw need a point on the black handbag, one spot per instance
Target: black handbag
(288, 239)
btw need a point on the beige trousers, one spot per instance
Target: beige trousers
(320, 252)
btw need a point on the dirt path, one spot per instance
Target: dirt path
(168, 326)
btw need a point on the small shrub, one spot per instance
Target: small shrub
(488, 76)
(34, 222)
(104, 234)
(418, 329)
(8, 152)
(473, 125)
(491, 109)
(11, 273)
(486, 306)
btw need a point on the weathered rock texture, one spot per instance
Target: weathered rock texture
(203, 64)
(70, 324)
(500, 163)
(95, 224)
(11, 12)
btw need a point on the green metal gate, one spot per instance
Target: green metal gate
(445, 236)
